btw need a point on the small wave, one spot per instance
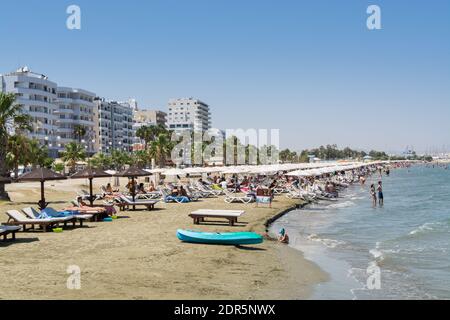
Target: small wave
(423, 228)
(357, 198)
(377, 253)
(329, 243)
(344, 204)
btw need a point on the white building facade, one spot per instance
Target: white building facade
(38, 98)
(114, 126)
(188, 114)
(76, 108)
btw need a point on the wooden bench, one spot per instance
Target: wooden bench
(231, 215)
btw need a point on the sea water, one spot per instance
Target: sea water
(405, 243)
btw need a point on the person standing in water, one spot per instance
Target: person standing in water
(380, 194)
(362, 180)
(373, 194)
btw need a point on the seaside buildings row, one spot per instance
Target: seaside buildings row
(58, 111)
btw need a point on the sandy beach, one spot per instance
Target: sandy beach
(138, 256)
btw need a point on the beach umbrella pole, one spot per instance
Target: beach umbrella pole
(133, 192)
(91, 195)
(42, 205)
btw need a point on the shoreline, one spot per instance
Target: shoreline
(138, 257)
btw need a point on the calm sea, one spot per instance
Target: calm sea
(406, 242)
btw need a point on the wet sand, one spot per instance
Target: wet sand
(138, 256)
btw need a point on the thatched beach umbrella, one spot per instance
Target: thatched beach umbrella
(90, 173)
(42, 175)
(133, 172)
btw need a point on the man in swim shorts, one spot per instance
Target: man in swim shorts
(380, 194)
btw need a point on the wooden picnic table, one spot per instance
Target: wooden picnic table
(231, 215)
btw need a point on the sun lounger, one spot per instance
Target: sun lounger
(86, 195)
(209, 191)
(34, 214)
(127, 202)
(155, 195)
(169, 198)
(6, 230)
(232, 197)
(17, 218)
(231, 215)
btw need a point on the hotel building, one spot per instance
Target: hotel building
(55, 111)
(37, 96)
(150, 118)
(76, 108)
(114, 125)
(188, 114)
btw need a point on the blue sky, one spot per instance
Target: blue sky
(310, 68)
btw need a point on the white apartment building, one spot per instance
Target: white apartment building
(76, 108)
(188, 114)
(114, 125)
(37, 97)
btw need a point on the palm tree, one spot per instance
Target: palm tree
(10, 118)
(18, 151)
(150, 133)
(145, 133)
(58, 167)
(161, 148)
(120, 159)
(100, 160)
(79, 132)
(37, 155)
(140, 158)
(74, 152)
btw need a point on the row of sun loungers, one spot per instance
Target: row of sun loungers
(16, 218)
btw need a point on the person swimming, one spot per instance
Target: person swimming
(283, 236)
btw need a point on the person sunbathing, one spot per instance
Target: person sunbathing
(175, 192)
(151, 188)
(104, 211)
(140, 189)
(110, 190)
(183, 192)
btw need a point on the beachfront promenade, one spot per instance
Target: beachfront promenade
(139, 257)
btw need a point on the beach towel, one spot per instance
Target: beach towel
(263, 199)
(177, 199)
(52, 213)
(43, 215)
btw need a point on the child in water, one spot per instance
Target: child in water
(283, 237)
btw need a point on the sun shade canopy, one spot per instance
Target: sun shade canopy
(41, 174)
(133, 172)
(90, 173)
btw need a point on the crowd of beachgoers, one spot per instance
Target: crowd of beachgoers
(113, 235)
(310, 183)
